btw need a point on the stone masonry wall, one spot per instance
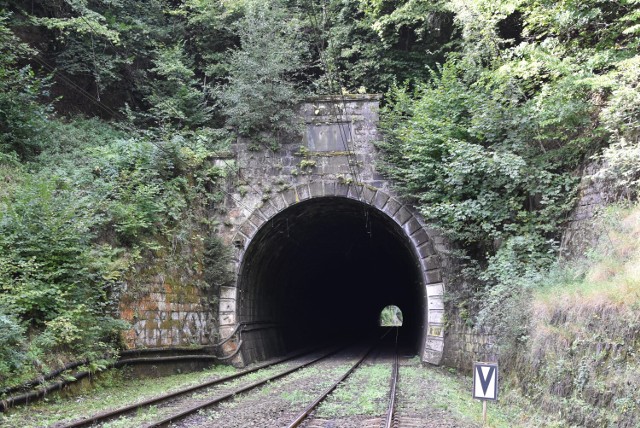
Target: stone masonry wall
(335, 156)
(580, 233)
(324, 153)
(465, 345)
(167, 315)
(336, 153)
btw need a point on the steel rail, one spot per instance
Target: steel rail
(305, 413)
(394, 382)
(112, 414)
(191, 410)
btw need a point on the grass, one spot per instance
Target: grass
(364, 393)
(611, 271)
(449, 393)
(110, 390)
(305, 396)
(148, 415)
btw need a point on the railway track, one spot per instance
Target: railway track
(177, 408)
(388, 421)
(103, 417)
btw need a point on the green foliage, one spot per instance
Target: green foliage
(216, 260)
(622, 112)
(372, 44)
(158, 57)
(621, 168)
(175, 96)
(53, 278)
(500, 102)
(110, 389)
(22, 117)
(12, 342)
(391, 316)
(579, 24)
(582, 325)
(261, 94)
(449, 149)
(489, 146)
(77, 222)
(513, 273)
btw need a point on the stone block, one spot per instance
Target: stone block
(435, 303)
(291, 197)
(368, 193)
(336, 165)
(329, 188)
(316, 189)
(419, 237)
(278, 201)
(342, 189)
(355, 191)
(380, 200)
(411, 226)
(248, 228)
(435, 331)
(227, 305)
(431, 262)
(432, 357)
(257, 219)
(427, 252)
(226, 330)
(436, 316)
(392, 207)
(434, 344)
(435, 290)
(268, 210)
(402, 215)
(433, 276)
(228, 292)
(303, 192)
(227, 319)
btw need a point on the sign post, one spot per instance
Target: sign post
(485, 385)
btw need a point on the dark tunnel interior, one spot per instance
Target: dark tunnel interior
(323, 270)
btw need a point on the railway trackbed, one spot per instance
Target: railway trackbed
(102, 417)
(314, 385)
(387, 421)
(306, 381)
(427, 397)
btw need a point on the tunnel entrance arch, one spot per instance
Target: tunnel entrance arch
(318, 261)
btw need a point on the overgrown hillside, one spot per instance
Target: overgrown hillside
(111, 117)
(579, 356)
(111, 113)
(491, 147)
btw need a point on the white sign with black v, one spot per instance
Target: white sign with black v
(485, 381)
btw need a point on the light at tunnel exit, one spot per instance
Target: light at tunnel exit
(391, 316)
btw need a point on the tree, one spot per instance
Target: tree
(262, 94)
(22, 115)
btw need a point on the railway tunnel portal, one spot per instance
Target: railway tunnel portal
(325, 244)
